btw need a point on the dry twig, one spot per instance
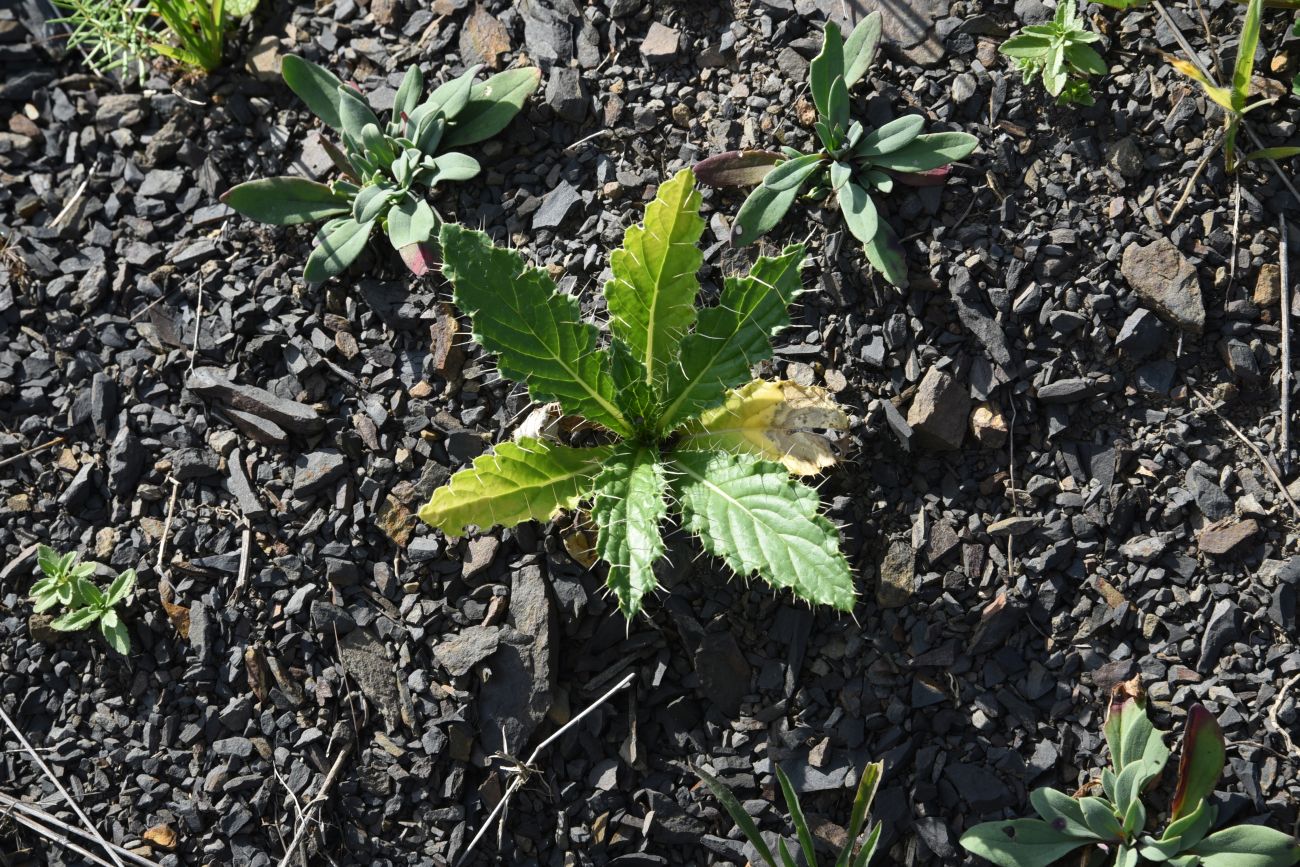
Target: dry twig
(1268, 467)
(45, 769)
(524, 769)
(311, 805)
(21, 811)
(31, 451)
(1272, 714)
(1285, 279)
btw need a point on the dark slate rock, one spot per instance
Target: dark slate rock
(291, 415)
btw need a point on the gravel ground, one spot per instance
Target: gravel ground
(1044, 493)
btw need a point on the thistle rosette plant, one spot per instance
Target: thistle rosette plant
(1114, 823)
(387, 168)
(862, 798)
(1059, 53)
(681, 424)
(853, 163)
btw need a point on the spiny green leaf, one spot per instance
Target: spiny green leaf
(48, 560)
(751, 514)
(285, 201)
(628, 509)
(536, 332)
(731, 337)
(651, 297)
(492, 105)
(338, 244)
(1020, 843)
(519, 481)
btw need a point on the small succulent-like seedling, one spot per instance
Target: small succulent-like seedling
(100, 607)
(866, 792)
(853, 163)
(680, 421)
(61, 573)
(386, 167)
(1114, 824)
(1060, 53)
(1234, 98)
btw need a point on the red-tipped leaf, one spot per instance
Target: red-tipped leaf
(418, 257)
(928, 178)
(1201, 764)
(737, 168)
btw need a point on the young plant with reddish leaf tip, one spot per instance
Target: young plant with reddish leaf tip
(853, 163)
(676, 420)
(847, 857)
(386, 170)
(1114, 824)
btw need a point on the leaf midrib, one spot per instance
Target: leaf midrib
(657, 278)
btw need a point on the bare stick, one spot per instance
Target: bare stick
(1272, 713)
(167, 525)
(33, 825)
(1268, 467)
(1284, 268)
(76, 197)
(320, 796)
(40, 763)
(198, 321)
(518, 781)
(31, 451)
(14, 806)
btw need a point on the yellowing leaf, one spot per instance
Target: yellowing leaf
(779, 421)
(1221, 95)
(530, 479)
